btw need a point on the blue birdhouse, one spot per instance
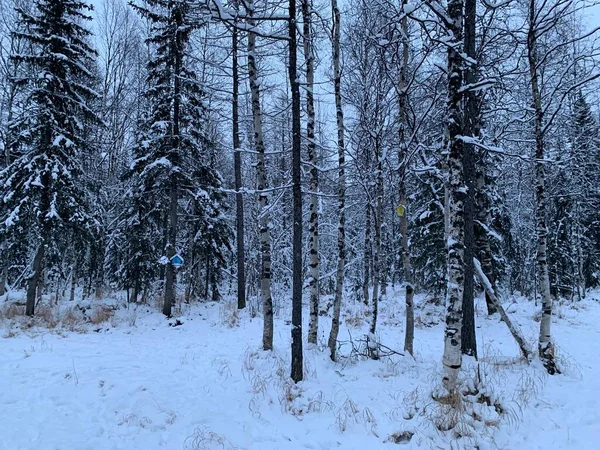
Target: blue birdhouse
(177, 260)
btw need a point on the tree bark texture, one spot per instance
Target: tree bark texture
(452, 358)
(377, 257)
(368, 253)
(33, 283)
(263, 199)
(409, 333)
(237, 163)
(545, 344)
(341, 238)
(471, 129)
(313, 224)
(297, 363)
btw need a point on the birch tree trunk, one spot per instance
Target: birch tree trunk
(237, 163)
(409, 334)
(263, 200)
(545, 344)
(377, 257)
(313, 224)
(452, 358)
(367, 256)
(339, 286)
(297, 357)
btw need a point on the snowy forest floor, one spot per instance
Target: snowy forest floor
(200, 381)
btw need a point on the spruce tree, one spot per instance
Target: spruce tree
(172, 157)
(41, 190)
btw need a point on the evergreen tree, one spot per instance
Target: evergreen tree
(171, 158)
(42, 188)
(585, 175)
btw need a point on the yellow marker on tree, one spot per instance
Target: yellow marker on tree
(400, 210)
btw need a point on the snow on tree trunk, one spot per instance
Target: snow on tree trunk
(545, 345)
(409, 333)
(452, 358)
(297, 372)
(237, 162)
(377, 256)
(313, 221)
(263, 199)
(367, 256)
(470, 129)
(341, 186)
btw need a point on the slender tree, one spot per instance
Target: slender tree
(471, 126)
(263, 199)
(297, 364)
(237, 162)
(341, 181)
(311, 145)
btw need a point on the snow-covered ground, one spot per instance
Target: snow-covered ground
(138, 382)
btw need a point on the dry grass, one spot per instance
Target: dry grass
(400, 437)
(100, 314)
(229, 314)
(205, 439)
(47, 316)
(11, 310)
(72, 319)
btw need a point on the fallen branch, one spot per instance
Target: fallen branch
(487, 286)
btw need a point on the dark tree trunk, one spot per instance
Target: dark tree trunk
(367, 256)
(174, 189)
(3, 273)
(337, 302)
(33, 283)
(170, 251)
(297, 364)
(470, 128)
(73, 282)
(482, 242)
(239, 198)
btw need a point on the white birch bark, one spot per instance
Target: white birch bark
(409, 333)
(452, 358)
(263, 200)
(313, 223)
(545, 344)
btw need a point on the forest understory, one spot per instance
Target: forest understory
(97, 374)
